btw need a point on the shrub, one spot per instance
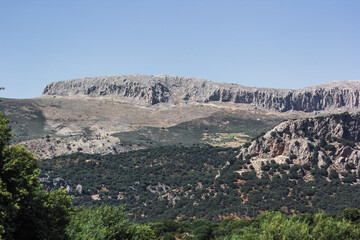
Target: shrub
(350, 166)
(247, 144)
(285, 166)
(330, 147)
(265, 167)
(106, 222)
(274, 225)
(306, 167)
(311, 147)
(351, 214)
(273, 134)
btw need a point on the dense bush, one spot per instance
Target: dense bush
(274, 225)
(270, 225)
(137, 175)
(182, 169)
(106, 222)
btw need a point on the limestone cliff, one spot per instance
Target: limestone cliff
(163, 88)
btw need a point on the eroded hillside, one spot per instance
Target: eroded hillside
(325, 142)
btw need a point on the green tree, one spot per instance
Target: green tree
(26, 211)
(106, 222)
(202, 229)
(274, 225)
(351, 214)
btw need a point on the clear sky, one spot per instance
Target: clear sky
(262, 43)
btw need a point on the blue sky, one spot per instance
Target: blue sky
(263, 43)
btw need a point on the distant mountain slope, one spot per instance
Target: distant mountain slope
(121, 113)
(163, 88)
(300, 166)
(51, 126)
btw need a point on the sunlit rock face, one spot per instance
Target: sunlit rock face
(157, 89)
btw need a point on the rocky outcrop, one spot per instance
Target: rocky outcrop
(163, 88)
(331, 142)
(55, 146)
(50, 183)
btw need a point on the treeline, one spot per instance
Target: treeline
(164, 182)
(270, 225)
(173, 182)
(110, 223)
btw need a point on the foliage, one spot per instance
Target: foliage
(351, 214)
(274, 225)
(146, 181)
(26, 211)
(179, 182)
(201, 181)
(269, 225)
(169, 229)
(106, 222)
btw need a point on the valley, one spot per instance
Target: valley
(55, 126)
(180, 120)
(178, 182)
(115, 114)
(172, 150)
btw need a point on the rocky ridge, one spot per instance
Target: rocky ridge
(324, 142)
(157, 89)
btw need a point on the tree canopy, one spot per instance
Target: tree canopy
(27, 211)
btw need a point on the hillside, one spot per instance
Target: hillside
(318, 142)
(114, 114)
(317, 168)
(51, 126)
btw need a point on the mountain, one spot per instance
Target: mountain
(183, 148)
(113, 114)
(299, 166)
(174, 89)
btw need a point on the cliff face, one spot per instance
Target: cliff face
(163, 88)
(331, 142)
(137, 88)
